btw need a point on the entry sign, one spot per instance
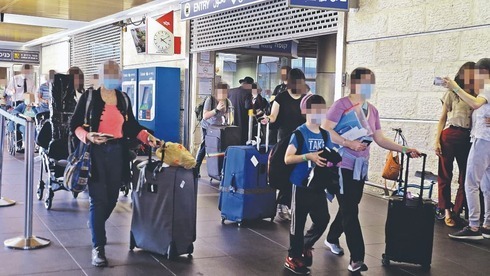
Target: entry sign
(339, 5)
(198, 8)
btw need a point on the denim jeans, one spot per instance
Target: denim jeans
(104, 187)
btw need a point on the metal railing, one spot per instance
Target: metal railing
(28, 241)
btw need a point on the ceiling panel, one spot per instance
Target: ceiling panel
(23, 33)
(81, 10)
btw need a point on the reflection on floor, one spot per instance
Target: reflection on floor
(254, 249)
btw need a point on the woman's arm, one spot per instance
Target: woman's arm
(274, 112)
(388, 144)
(337, 139)
(473, 102)
(440, 127)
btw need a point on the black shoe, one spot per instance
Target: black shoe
(485, 232)
(98, 257)
(467, 234)
(308, 256)
(21, 150)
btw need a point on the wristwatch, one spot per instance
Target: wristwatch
(216, 110)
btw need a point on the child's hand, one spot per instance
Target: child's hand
(317, 159)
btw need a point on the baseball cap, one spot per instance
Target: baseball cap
(248, 80)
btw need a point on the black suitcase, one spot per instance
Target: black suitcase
(218, 138)
(410, 226)
(164, 210)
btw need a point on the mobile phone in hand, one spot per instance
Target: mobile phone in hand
(439, 81)
(367, 142)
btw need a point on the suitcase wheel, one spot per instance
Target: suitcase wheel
(239, 224)
(190, 250)
(132, 242)
(223, 220)
(384, 260)
(171, 254)
(272, 219)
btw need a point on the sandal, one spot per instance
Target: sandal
(450, 221)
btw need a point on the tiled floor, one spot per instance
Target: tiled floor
(254, 249)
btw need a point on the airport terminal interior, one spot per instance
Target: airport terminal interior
(172, 112)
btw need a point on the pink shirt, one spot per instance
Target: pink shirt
(335, 113)
(111, 122)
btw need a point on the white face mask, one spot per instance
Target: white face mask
(316, 118)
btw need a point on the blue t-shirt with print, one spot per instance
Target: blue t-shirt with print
(313, 142)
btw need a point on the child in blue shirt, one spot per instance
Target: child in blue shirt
(307, 200)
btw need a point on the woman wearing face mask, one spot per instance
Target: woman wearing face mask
(216, 111)
(453, 142)
(354, 166)
(110, 122)
(478, 167)
(287, 116)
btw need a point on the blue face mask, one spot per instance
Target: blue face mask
(111, 84)
(366, 90)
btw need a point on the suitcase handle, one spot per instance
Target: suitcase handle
(422, 179)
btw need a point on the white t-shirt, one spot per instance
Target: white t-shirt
(480, 129)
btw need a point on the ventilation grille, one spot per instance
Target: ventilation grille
(90, 49)
(264, 22)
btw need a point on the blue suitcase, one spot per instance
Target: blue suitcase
(244, 192)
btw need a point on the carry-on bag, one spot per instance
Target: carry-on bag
(410, 226)
(244, 192)
(218, 138)
(164, 210)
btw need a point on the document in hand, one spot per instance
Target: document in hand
(353, 124)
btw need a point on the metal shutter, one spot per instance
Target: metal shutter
(91, 48)
(264, 22)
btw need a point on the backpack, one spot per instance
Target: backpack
(199, 110)
(278, 171)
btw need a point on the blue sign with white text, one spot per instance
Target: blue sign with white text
(341, 5)
(196, 8)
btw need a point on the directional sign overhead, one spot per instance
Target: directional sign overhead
(197, 8)
(339, 5)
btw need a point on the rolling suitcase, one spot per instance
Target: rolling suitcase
(218, 138)
(244, 192)
(410, 226)
(164, 210)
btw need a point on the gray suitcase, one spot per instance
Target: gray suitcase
(164, 210)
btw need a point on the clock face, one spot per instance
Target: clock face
(162, 40)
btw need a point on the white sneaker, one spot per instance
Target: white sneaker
(335, 248)
(280, 214)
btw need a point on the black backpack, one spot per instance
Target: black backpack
(278, 171)
(199, 110)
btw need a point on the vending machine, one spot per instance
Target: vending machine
(158, 103)
(130, 87)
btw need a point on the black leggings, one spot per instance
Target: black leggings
(347, 219)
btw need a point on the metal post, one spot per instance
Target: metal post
(250, 124)
(28, 241)
(4, 202)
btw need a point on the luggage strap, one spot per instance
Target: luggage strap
(231, 189)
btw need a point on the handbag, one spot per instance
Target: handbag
(77, 171)
(391, 169)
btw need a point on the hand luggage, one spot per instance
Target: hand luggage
(410, 226)
(218, 138)
(244, 192)
(164, 210)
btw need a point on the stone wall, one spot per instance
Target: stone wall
(407, 43)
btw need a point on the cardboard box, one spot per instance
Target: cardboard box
(29, 98)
